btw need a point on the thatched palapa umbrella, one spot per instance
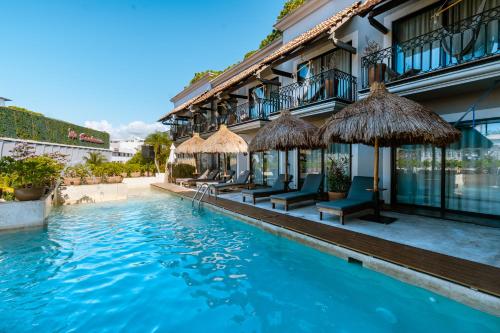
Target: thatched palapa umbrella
(285, 133)
(193, 146)
(225, 142)
(171, 160)
(384, 119)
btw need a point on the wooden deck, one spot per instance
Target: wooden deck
(475, 275)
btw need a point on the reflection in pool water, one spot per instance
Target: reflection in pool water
(154, 264)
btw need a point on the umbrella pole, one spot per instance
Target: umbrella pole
(225, 164)
(286, 170)
(375, 179)
(376, 193)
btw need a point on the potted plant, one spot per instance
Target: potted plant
(112, 172)
(337, 177)
(376, 71)
(75, 175)
(32, 175)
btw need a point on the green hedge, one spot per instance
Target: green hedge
(27, 125)
(182, 170)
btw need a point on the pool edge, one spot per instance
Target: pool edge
(473, 298)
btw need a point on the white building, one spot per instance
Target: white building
(123, 150)
(328, 54)
(78, 145)
(3, 100)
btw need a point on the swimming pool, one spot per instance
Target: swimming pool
(154, 264)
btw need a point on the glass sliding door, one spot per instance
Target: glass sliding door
(271, 167)
(310, 161)
(473, 170)
(257, 167)
(337, 152)
(265, 167)
(418, 175)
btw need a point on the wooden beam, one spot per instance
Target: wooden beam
(345, 46)
(281, 73)
(271, 82)
(205, 108)
(388, 5)
(377, 25)
(238, 96)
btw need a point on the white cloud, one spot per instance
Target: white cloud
(131, 130)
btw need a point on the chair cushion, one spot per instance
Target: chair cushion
(358, 189)
(343, 204)
(312, 183)
(292, 195)
(257, 191)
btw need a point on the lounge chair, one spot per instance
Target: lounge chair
(241, 181)
(308, 192)
(277, 188)
(181, 181)
(210, 177)
(358, 199)
(217, 181)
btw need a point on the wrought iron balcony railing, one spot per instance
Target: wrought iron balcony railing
(470, 39)
(253, 110)
(249, 111)
(332, 84)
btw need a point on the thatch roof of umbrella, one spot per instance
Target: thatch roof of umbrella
(285, 132)
(393, 119)
(225, 141)
(192, 146)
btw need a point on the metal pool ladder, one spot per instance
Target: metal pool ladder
(203, 189)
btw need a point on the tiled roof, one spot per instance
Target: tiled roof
(333, 22)
(368, 5)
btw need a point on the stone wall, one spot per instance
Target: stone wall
(24, 214)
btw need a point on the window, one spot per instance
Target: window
(418, 175)
(259, 96)
(471, 174)
(265, 167)
(457, 41)
(473, 170)
(310, 161)
(337, 151)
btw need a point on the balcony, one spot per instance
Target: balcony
(237, 115)
(250, 111)
(330, 85)
(469, 41)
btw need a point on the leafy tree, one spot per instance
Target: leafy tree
(18, 108)
(94, 158)
(289, 7)
(197, 76)
(161, 145)
(275, 34)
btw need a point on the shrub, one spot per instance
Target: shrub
(338, 179)
(37, 171)
(183, 171)
(78, 171)
(20, 123)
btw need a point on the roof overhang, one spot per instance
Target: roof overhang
(285, 52)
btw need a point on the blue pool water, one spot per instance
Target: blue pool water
(152, 264)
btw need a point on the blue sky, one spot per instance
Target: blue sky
(116, 62)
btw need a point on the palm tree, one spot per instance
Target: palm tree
(161, 145)
(95, 158)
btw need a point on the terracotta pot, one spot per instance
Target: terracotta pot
(124, 175)
(72, 181)
(135, 174)
(92, 180)
(332, 196)
(114, 179)
(29, 194)
(376, 73)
